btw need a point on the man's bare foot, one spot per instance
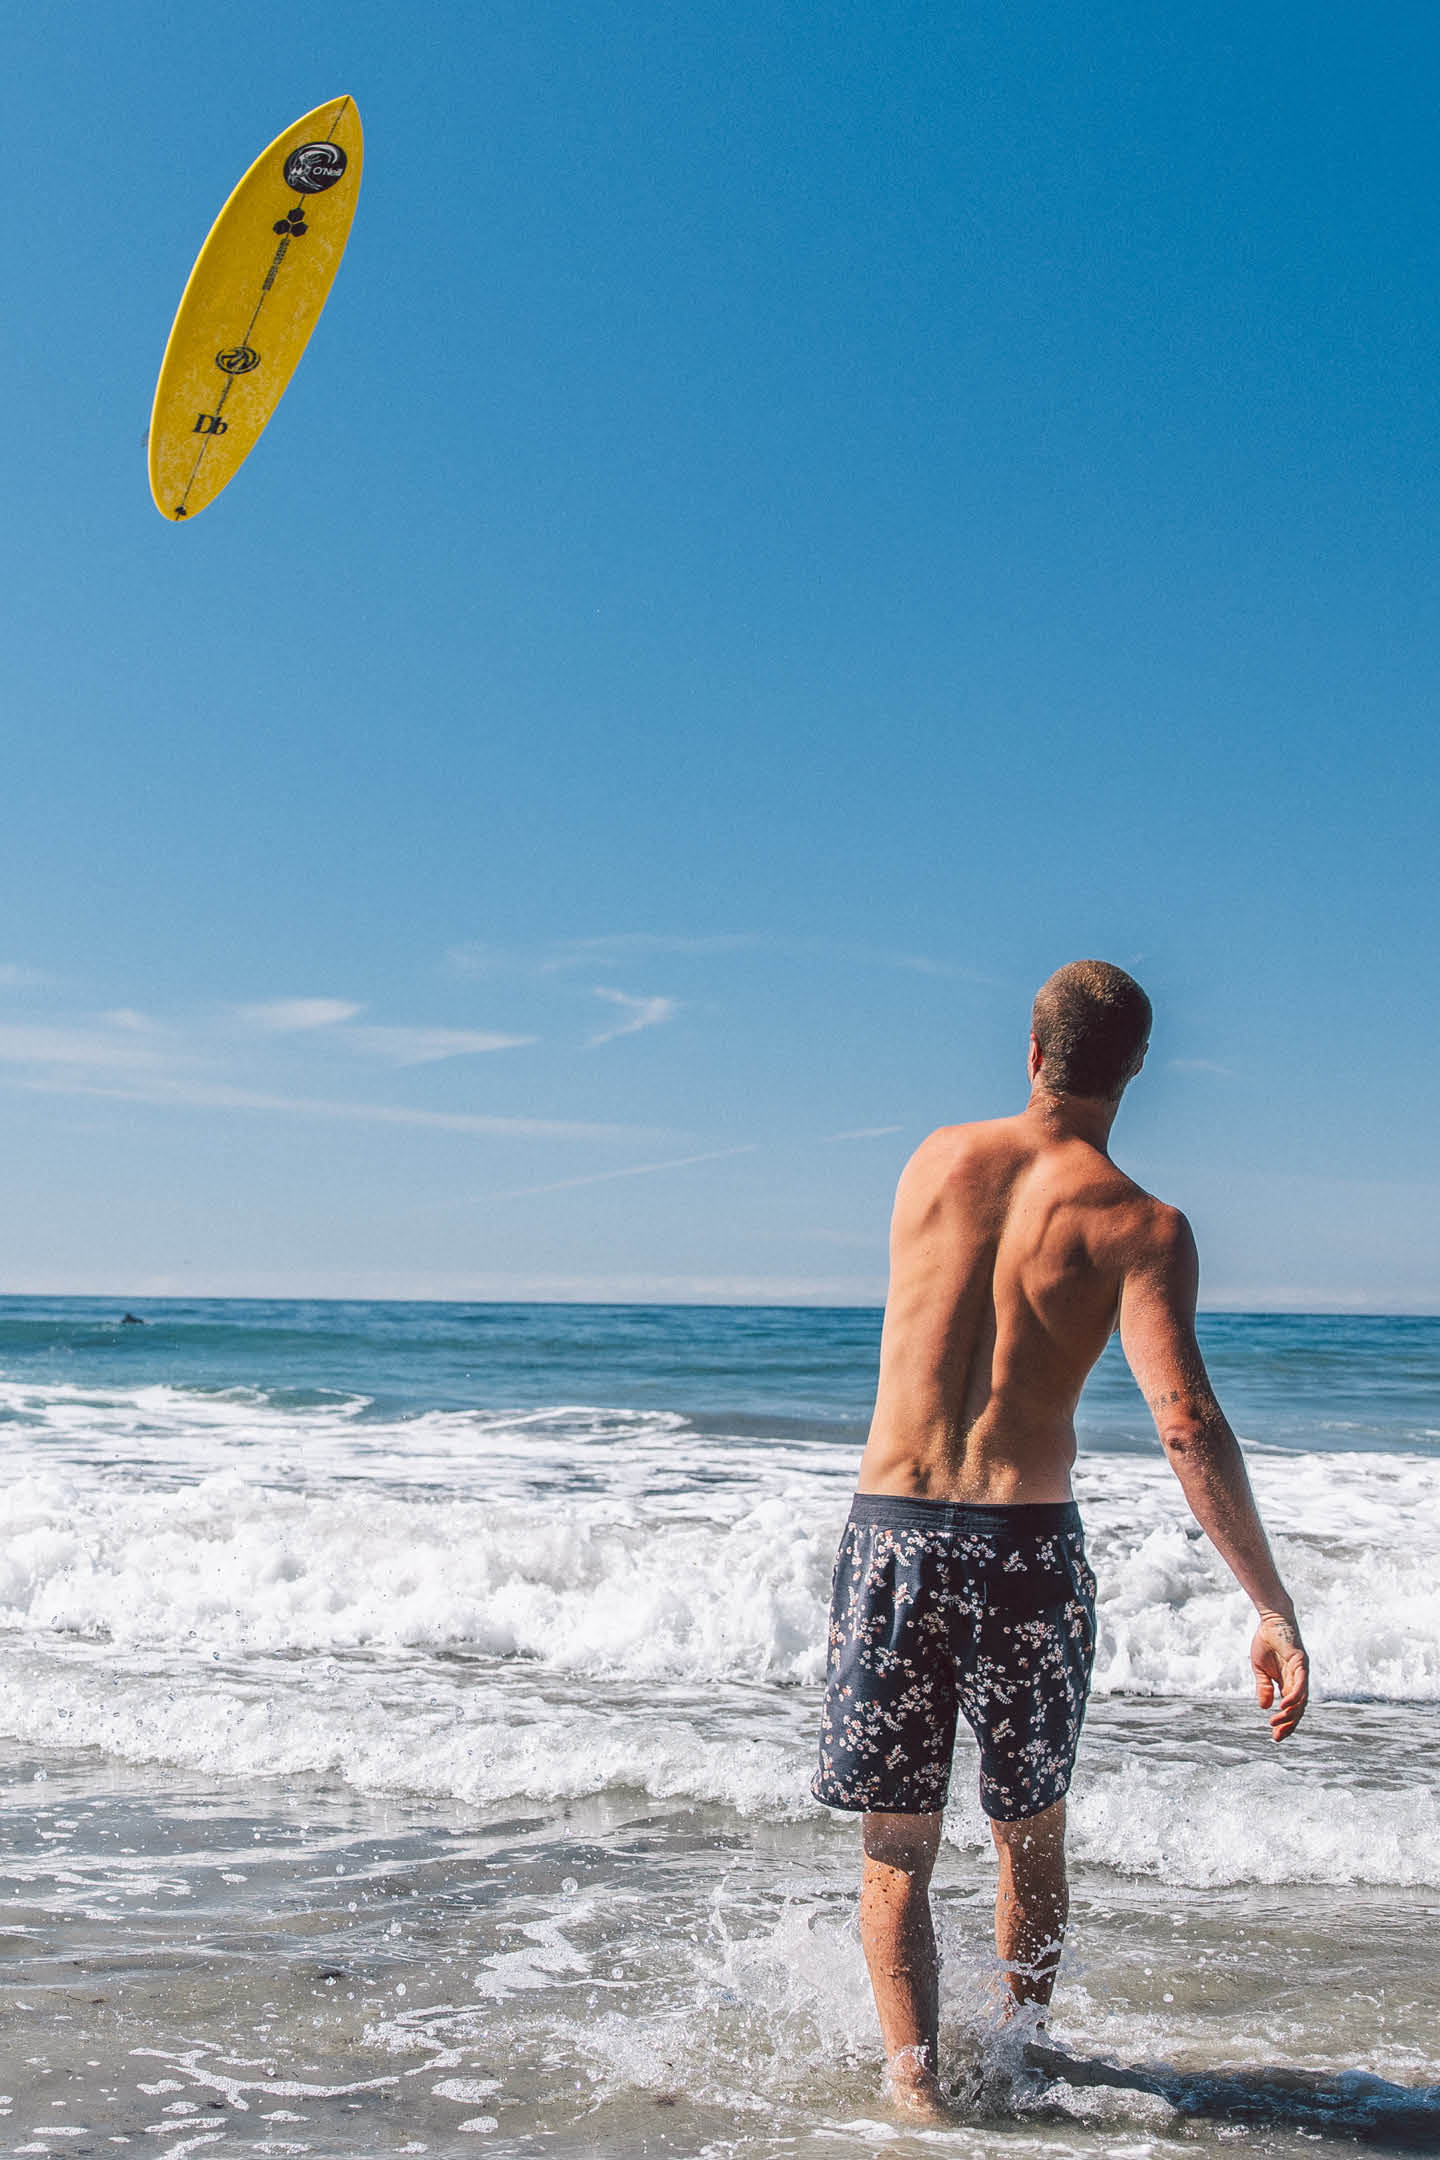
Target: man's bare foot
(921, 2103)
(914, 2089)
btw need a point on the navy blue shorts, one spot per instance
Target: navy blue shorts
(937, 1609)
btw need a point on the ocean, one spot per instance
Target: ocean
(407, 1713)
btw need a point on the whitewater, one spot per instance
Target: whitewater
(428, 1695)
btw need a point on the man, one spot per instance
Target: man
(1017, 1246)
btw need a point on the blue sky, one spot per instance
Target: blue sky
(795, 521)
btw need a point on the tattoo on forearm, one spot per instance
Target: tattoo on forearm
(1198, 1403)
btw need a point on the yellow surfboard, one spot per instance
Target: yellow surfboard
(252, 300)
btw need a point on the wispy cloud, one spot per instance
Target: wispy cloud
(650, 1169)
(165, 1093)
(476, 958)
(211, 1063)
(479, 958)
(427, 1045)
(639, 1012)
(333, 1017)
(861, 1132)
(80, 1046)
(298, 1016)
(632, 944)
(1200, 1065)
(917, 963)
(14, 977)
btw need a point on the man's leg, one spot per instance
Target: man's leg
(1032, 1902)
(899, 1941)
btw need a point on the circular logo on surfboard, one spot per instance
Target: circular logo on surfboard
(237, 359)
(314, 167)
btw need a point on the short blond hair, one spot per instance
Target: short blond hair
(1092, 1022)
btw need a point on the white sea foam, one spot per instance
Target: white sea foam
(579, 1584)
(638, 1571)
(395, 1731)
(1252, 1822)
(1358, 1538)
(1205, 1806)
(574, 1601)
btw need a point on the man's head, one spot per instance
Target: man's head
(1091, 1025)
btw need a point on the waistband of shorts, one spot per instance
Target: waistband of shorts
(1026, 1519)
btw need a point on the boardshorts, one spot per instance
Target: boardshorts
(939, 1608)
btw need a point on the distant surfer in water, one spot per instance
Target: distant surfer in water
(961, 1584)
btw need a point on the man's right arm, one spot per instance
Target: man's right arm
(1157, 1331)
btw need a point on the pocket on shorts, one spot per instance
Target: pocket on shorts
(1082, 1575)
(867, 1604)
(1080, 1605)
(1023, 1593)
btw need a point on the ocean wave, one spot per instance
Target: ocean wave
(1219, 1810)
(381, 1731)
(164, 1435)
(577, 1584)
(1212, 1826)
(641, 1575)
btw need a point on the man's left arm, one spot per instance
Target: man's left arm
(1157, 1331)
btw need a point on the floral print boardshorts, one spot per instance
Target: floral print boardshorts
(939, 1608)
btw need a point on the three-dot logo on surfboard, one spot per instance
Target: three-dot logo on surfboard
(310, 169)
(314, 167)
(237, 359)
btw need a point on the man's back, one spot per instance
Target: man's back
(1010, 1245)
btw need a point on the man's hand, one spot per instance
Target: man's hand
(1281, 1666)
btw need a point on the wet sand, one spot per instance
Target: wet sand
(310, 1971)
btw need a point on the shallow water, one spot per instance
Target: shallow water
(388, 1767)
(310, 1971)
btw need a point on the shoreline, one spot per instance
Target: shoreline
(241, 1965)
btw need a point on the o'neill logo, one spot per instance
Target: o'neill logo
(314, 167)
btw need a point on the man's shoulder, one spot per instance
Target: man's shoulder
(1155, 1233)
(1155, 1219)
(1124, 1222)
(975, 1133)
(955, 1148)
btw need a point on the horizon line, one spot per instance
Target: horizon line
(714, 1300)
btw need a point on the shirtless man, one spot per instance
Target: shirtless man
(961, 1582)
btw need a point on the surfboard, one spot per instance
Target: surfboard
(250, 304)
